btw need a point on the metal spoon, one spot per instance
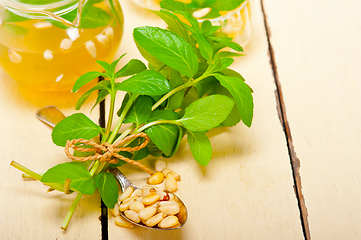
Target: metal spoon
(51, 115)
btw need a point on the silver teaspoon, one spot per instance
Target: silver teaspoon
(51, 115)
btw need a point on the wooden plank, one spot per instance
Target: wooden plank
(317, 53)
(27, 211)
(246, 192)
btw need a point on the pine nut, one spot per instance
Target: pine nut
(59, 78)
(132, 215)
(166, 203)
(201, 13)
(170, 209)
(40, 25)
(170, 183)
(122, 222)
(137, 192)
(73, 33)
(163, 195)
(159, 165)
(115, 211)
(176, 175)
(90, 46)
(103, 40)
(125, 205)
(66, 44)
(48, 55)
(156, 178)
(14, 56)
(168, 222)
(150, 199)
(109, 32)
(126, 193)
(136, 206)
(182, 215)
(149, 191)
(147, 213)
(155, 219)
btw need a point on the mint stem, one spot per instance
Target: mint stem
(111, 114)
(132, 98)
(71, 211)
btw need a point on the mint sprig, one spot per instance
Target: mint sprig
(187, 89)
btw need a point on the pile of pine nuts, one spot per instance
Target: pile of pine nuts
(154, 205)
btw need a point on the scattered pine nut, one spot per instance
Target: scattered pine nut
(14, 56)
(109, 32)
(73, 33)
(176, 175)
(90, 46)
(59, 78)
(103, 40)
(122, 222)
(159, 165)
(66, 44)
(42, 25)
(156, 178)
(202, 12)
(170, 183)
(48, 55)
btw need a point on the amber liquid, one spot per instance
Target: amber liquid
(36, 71)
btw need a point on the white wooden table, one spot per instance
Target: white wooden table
(295, 174)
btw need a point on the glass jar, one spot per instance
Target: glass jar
(48, 44)
(236, 23)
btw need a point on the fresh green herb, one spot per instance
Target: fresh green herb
(216, 6)
(186, 90)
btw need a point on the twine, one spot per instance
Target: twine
(106, 152)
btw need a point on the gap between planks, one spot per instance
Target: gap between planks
(294, 160)
(103, 208)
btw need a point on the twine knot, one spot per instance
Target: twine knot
(106, 152)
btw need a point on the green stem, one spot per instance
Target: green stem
(125, 111)
(36, 176)
(111, 114)
(26, 170)
(190, 83)
(71, 211)
(158, 122)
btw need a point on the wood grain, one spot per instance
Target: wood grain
(27, 211)
(316, 48)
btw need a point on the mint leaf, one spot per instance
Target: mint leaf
(174, 23)
(226, 5)
(93, 17)
(148, 82)
(81, 180)
(175, 80)
(207, 113)
(141, 110)
(242, 95)
(84, 79)
(200, 146)
(164, 136)
(168, 48)
(134, 66)
(74, 126)
(227, 42)
(102, 85)
(108, 188)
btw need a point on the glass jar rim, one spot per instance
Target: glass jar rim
(54, 5)
(31, 10)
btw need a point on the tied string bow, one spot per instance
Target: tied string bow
(106, 151)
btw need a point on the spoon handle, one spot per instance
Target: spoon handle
(121, 178)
